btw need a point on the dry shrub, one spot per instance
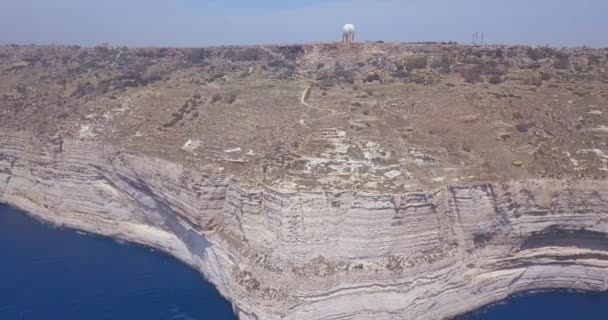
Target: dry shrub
(495, 79)
(372, 77)
(545, 76)
(231, 98)
(533, 82)
(216, 97)
(562, 63)
(250, 54)
(419, 62)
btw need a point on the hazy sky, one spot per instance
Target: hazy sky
(206, 23)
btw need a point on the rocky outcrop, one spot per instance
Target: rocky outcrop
(281, 254)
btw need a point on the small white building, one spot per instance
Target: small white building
(348, 35)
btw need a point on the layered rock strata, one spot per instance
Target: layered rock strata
(282, 254)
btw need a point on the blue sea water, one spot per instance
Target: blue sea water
(547, 305)
(48, 274)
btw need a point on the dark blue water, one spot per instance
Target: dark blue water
(547, 305)
(49, 274)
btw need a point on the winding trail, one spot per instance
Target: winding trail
(303, 122)
(304, 103)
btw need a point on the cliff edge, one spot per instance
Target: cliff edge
(382, 181)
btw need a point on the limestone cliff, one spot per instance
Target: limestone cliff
(374, 181)
(305, 255)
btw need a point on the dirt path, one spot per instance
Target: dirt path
(303, 122)
(305, 96)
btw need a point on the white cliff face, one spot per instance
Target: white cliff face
(343, 255)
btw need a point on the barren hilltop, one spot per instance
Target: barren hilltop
(385, 117)
(324, 181)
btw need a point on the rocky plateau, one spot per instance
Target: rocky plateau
(321, 181)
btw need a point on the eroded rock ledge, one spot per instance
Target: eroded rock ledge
(326, 255)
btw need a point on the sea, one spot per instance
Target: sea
(56, 274)
(557, 305)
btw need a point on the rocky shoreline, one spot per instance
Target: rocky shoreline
(323, 255)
